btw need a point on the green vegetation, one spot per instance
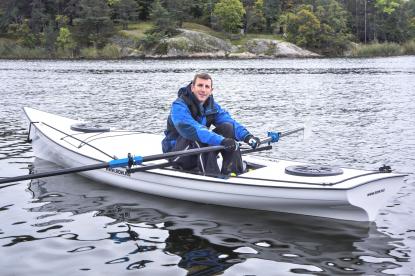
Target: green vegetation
(383, 49)
(94, 28)
(136, 30)
(409, 47)
(229, 14)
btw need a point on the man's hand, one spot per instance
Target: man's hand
(230, 144)
(253, 141)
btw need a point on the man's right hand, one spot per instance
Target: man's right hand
(230, 144)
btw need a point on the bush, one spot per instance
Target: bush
(12, 50)
(90, 52)
(110, 51)
(150, 41)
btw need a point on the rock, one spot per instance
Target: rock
(275, 48)
(193, 44)
(196, 44)
(123, 41)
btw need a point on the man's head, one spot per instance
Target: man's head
(202, 87)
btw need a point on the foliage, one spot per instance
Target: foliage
(90, 53)
(272, 10)
(64, 40)
(10, 49)
(377, 49)
(303, 27)
(63, 27)
(409, 47)
(150, 40)
(93, 24)
(323, 27)
(164, 23)
(387, 6)
(110, 51)
(26, 37)
(254, 16)
(125, 11)
(229, 14)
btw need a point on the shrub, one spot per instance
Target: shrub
(110, 51)
(90, 52)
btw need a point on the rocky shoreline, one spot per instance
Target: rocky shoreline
(193, 44)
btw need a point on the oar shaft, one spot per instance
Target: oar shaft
(57, 172)
(112, 164)
(289, 132)
(274, 136)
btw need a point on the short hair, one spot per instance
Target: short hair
(204, 76)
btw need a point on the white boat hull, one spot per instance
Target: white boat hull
(357, 196)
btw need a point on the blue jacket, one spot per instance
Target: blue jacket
(191, 120)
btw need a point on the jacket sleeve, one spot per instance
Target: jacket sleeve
(223, 116)
(189, 128)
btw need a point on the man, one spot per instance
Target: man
(191, 116)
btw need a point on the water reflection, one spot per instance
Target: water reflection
(210, 240)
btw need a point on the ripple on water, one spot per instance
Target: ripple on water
(361, 113)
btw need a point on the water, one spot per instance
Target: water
(358, 113)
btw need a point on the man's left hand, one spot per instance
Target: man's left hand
(253, 141)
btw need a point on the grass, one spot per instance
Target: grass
(378, 50)
(11, 49)
(136, 30)
(110, 51)
(409, 47)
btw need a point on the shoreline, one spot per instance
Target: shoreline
(198, 58)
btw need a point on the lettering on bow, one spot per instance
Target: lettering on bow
(376, 192)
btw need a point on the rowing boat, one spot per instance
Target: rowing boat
(268, 184)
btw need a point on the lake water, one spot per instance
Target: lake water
(358, 113)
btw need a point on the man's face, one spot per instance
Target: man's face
(202, 89)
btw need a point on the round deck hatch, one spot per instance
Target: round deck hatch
(313, 170)
(89, 127)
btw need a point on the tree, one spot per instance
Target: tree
(322, 28)
(229, 14)
(387, 6)
(64, 40)
(15, 12)
(125, 11)
(178, 10)
(39, 17)
(93, 24)
(272, 9)
(164, 23)
(303, 27)
(334, 33)
(254, 16)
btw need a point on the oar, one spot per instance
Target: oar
(137, 160)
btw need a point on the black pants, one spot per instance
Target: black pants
(207, 162)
